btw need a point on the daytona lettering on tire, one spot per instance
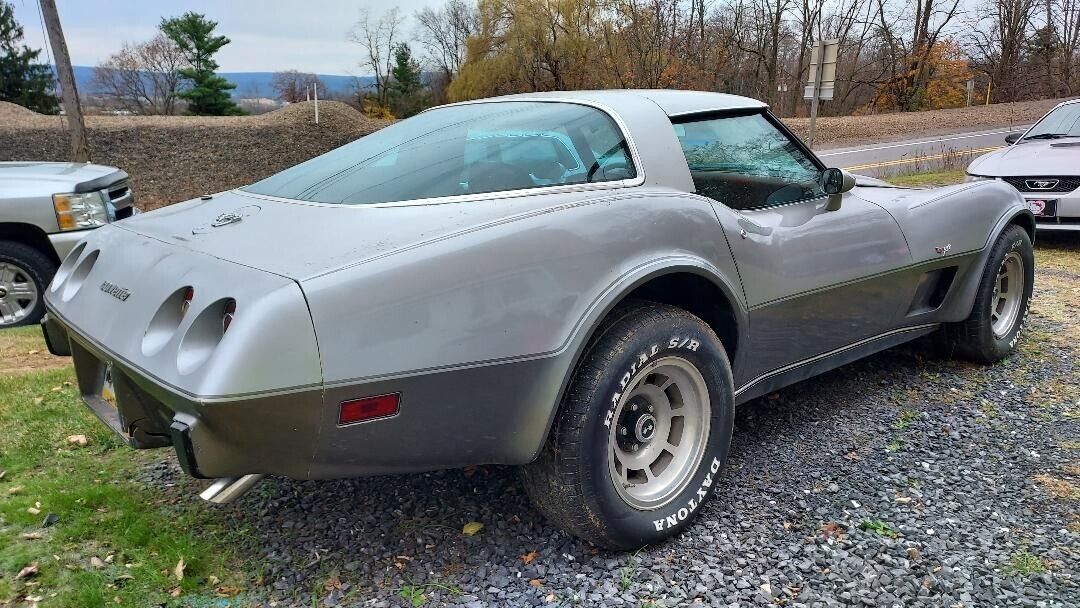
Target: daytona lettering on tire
(641, 437)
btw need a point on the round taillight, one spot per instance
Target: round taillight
(227, 315)
(189, 295)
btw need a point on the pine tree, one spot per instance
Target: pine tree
(407, 94)
(208, 94)
(22, 79)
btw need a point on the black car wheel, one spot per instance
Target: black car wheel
(25, 272)
(643, 432)
(992, 330)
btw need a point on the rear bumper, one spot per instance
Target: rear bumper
(213, 437)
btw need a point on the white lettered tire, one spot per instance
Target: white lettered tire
(643, 432)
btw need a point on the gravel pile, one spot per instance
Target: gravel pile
(175, 158)
(901, 480)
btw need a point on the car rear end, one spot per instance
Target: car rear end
(176, 347)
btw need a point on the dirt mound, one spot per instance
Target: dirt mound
(175, 158)
(10, 110)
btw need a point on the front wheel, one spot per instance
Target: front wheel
(643, 431)
(25, 272)
(992, 330)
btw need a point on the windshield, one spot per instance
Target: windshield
(467, 149)
(1061, 122)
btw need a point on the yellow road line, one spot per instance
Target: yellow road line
(904, 161)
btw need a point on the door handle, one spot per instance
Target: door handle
(748, 227)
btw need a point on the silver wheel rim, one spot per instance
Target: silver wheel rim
(1008, 295)
(659, 432)
(18, 294)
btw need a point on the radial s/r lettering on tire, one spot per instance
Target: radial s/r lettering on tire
(25, 272)
(1001, 303)
(642, 434)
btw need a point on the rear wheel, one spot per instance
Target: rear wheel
(643, 432)
(992, 330)
(25, 272)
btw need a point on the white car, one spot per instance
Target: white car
(1043, 163)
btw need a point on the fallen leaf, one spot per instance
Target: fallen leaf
(15, 489)
(175, 592)
(214, 580)
(33, 510)
(78, 440)
(97, 563)
(333, 583)
(529, 557)
(913, 554)
(471, 528)
(551, 597)
(178, 571)
(30, 536)
(832, 529)
(38, 400)
(536, 582)
(33, 352)
(28, 571)
(227, 591)
(3, 474)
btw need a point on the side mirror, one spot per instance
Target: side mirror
(835, 182)
(1012, 138)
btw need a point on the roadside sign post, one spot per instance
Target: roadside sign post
(80, 150)
(821, 80)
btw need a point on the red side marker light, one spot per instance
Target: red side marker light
(368, 408)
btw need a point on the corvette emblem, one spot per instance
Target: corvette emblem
(114, 290)
(1041, 184)
(225, 219)
(229, 217)
(946, 248)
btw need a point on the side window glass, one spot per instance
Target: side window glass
(745, 162)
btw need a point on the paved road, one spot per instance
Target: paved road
(924, 154)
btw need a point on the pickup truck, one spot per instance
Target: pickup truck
(45, 209)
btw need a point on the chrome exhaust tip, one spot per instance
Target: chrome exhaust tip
(227, 489)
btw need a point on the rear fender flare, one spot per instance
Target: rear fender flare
(616, 293)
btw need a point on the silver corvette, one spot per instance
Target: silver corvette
(585, 284)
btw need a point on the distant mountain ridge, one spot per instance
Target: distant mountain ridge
(248, 84)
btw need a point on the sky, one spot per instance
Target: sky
(267, 35)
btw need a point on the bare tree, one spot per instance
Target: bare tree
(142, 78)
(293, 86)
(444, 32)
(378, 36)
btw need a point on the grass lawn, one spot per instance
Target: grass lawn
(118, 541)
(925, 180)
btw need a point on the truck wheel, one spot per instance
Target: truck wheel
(25, 272)
(1001, 303)
(642, 433)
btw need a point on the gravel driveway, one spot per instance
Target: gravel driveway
(902, 480)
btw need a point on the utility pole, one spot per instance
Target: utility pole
(815, 98)
(80, 150)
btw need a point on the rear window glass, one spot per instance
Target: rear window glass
(467, 149)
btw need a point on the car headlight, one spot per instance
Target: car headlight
(79, 210)
(977, 178)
